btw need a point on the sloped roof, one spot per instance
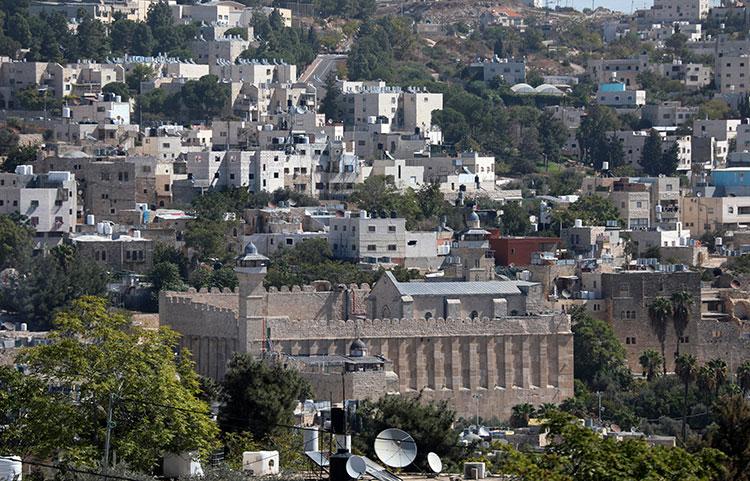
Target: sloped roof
(488, 288)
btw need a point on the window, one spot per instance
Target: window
(428, 315)
(370, 228)
(354, 247)
(289, 241)
(624, 288)
(371, 247)
(474, 314)
(391, 228)
(391, 247)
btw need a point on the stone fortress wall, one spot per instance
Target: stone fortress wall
(508, 360)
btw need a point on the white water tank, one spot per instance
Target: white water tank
(10, 468)
(261, 463)
(24, 327)
(578, 223)
(108, 229)
(136, 234)
(100, 228)
(310, 439)
(719, 241)
(66, 112)
(90, 219)
(179, 465)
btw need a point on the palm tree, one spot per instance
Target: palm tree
(706, 381)
(520, 415)
(651, 362)
(545, 409)
(719, 366)
(686, 367)
(660, 311)
(682, 308)
(743, 377)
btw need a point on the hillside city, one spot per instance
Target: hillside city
(374, 239)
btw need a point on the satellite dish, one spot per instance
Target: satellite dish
(356, 467)
(292, 203)
(271, 205)
(615, 428)
(632, 429)
(436, 465)
(650, 268)
(566, 294)
(395, 448)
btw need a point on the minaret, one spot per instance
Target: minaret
(251, 271)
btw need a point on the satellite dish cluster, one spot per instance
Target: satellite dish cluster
(393, 447)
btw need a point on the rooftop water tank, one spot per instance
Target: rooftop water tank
(578, 223)
(261, 463)
(90, 219)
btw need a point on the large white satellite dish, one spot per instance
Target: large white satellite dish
(436, 465)
(395, 448)
(356, 467)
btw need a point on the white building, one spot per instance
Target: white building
(616, 96)
(49, 200)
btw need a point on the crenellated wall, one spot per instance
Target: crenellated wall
(509, 360)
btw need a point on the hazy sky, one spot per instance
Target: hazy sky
(621, 5)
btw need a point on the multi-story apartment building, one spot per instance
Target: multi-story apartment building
(733, 73)
(692, 75)
(677, 10)
(365, 237)
(668, 114)
(211, 51)
(49, 200)
(615, 95)
(255, 72)
(624, 70)
(512, 71)
(404, 110)
(720, 129)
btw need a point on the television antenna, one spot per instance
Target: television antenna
(395, 448)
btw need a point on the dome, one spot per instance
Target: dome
(548, 89)
(250, 248)
(358, 349)
(523, 88)
(473, 216)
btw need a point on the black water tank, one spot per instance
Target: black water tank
(338, 420)
(394, 214)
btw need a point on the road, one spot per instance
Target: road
(320, 67)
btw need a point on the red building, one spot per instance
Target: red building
(518, 250)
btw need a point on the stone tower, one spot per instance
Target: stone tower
(251, 271)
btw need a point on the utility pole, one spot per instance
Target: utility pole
(599, 395)
(109, 430)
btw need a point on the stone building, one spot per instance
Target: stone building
(510, 359)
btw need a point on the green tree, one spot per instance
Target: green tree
(206, 236)
(721, 373)
(35, 97)
(429, 423)
(52, 283)
(515, 220)
(592, 134)
(598, 355)
(23, 155)
(651, 361)
(18, 29)
(660, 311)
(16, 240)
(165, 276)
(379, 193)
(743, 376)
(166, 253)
(159, 15)
(686, 367)
(140, 73)
(651, 155)
(8, 140)
(93, 41)
(682, 309)
(731, 435)
(259, 398)
(706, 381)
(208, 278)
(236, 31)
(117, 88)
(204, 96)
(653, 252)
(552, 135)
(670, 160)
(580, 453)
(520, 415)
(101, 354)
(330, 106)
(591, 209)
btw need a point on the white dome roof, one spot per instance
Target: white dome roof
(548, 89)
(523, 89)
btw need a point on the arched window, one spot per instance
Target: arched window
(474, 314)
(385, 313)
(428, 315)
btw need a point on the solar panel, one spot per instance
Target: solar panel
(379, 472)
(318, 458)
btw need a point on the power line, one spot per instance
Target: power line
(73, 470)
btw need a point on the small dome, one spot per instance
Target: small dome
(473, 216)
(250, 248)
(523, 88)
(358, 349)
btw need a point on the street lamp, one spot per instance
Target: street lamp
(477, 397)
